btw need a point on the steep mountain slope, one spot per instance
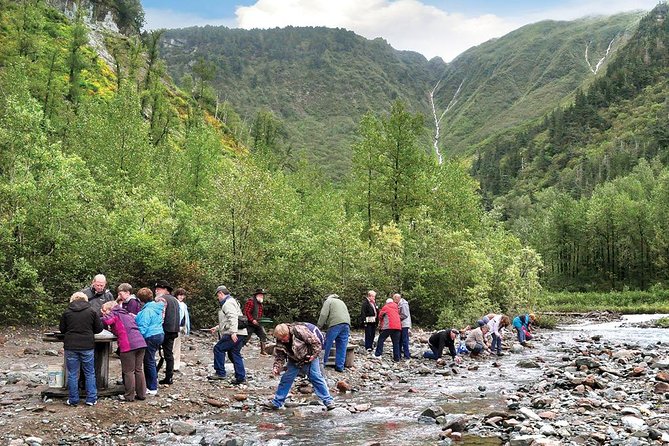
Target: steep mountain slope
(524, 74)
(320, 81)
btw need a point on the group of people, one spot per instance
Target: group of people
(487, 336)
(392, 320)
(143, 323)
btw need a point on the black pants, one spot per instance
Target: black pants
(370, 332)
(258, 330)
(168, 353)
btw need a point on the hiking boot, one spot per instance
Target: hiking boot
(500, 354)
(166, 381)
(330, 406)
(236, 382)
(215, 377)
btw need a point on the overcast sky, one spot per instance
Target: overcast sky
(443, 28)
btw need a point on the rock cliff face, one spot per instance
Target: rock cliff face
(96, 14)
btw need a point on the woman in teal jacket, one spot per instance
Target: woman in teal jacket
(150, 323)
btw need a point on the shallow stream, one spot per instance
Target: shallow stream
(393, 418)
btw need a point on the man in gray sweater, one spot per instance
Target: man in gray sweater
(334, 316)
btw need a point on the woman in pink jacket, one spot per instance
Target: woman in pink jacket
(389, 325)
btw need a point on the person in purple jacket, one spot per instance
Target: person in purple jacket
(128, 301)
(132, 346)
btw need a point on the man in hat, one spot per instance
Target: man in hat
(163, 292)
(253, 310)
(231, 337)
(98, 293)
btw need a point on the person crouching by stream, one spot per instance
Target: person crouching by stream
(80, 323)
(298, 347)
(475, 341)
(389, 325)
(439, 340)
(132, 346)
(523, 325)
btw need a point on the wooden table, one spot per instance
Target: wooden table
(103, 342)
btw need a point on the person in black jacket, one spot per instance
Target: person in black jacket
(170, 326)
(97, 293)
(439, 340)
(80, 323)
(368, 314)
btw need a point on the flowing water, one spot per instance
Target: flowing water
(394, 415)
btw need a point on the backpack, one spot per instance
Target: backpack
(242, 322)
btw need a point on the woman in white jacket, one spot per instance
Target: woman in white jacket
(495, 326)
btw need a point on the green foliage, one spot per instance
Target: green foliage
(623, 302)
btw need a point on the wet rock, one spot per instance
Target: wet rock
(240, 397)
(216, 403)
(598, 437)
(524, 440)
(548, 415)
(31, 351)
(662, 365)
(343, 386)
(456, 422)
(624, 355)
(362, 407)
(633, 424)
(638, 371)
(630, 411)
(339, 412)
(33, 440)
(662, 376)
(182, 428)
(594, 383)
(50, 353)
(516, 348)
(529, 413)
(587, 362)
(661, 387)
(432, 412)
(527, 364)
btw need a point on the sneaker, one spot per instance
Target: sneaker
(270, 405)
(121, 398)
(91, 403)
(165, 381)
(69, 403)
(330, 406)
(236, 382)
(215, 377)
(152, 392)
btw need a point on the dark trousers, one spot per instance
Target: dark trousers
(132, 365)
(258, 330)
(168, 354)
(395, 337)
(224, 346)
(370, 331)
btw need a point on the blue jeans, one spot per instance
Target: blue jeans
(85, 359)
(404, 343)
(433, 353)
(234, 352)
(313, 372)
(337, 334)
(496, 344)
(150, 371)
(395, 337)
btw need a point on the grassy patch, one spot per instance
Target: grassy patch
(629, 302)
(662, 323)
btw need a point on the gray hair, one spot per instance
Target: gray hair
(78, 296)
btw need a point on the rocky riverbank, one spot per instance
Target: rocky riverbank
(575, 387)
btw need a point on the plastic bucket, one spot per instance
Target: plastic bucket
(56, 375)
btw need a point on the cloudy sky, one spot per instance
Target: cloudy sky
(443, 28)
